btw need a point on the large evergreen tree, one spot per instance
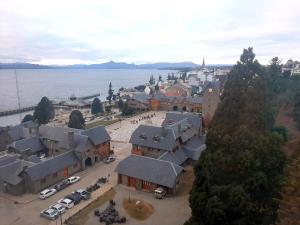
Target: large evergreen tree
(152, 80)
(110, 93)
(96, 106)
(120, 104)
(76, 120)
(44, 111)
(240, 173)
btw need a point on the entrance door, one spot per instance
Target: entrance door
(131, 182)
(66, 172)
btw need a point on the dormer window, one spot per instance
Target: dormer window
(156, 138)
(143, 137)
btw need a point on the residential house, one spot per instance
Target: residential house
(159, 152)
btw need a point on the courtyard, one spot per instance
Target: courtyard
(26, 208)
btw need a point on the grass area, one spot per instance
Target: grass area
(101, 123)
(139, 211)
(82, 215)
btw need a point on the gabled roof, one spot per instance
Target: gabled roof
(18, 132)
(97, 135)
(194, 119)
(148, 169)
(32, 143)
(141, 97)
(6, 159)
(10, 172)
(194, 147)
(153, 137)
(59, 134)
(51, 165)
(81, 143)
(178, 157)
(182, 128)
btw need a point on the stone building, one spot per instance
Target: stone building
(163, 151)
(211, 99)
(182, 104)
(68, 151)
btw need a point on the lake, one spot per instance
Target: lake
(62, 83)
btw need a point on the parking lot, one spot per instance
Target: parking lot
(28, 207)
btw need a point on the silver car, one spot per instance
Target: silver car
(50, 214)
(59, 207)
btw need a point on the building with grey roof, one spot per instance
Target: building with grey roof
(158, 151)
(148, 173)
(28, 146)
(67, 151)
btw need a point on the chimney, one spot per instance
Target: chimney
(163, 131)
(71, 139)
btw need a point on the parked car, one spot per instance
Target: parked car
(73, 179)
(50, 214)
(85, 195)
(160, 193)
(110, 159)
(67, 203)
(61, 185)
(75, 197)
(47, 193)
(59, 207)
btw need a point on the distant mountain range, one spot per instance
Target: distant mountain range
(107, 65)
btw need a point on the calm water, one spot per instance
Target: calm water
(62, 83)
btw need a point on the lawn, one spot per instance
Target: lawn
(83, 215)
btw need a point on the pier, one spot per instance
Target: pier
(30, 108)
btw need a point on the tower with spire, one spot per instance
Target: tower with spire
(203, 64)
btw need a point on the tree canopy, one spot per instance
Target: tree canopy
(120, 104)
(76, 120)
(126, 110)
(160, 78)
(97, 106)
(110, 93)
(44, 111)
(152, 80)
(240, 173)
(27, 117)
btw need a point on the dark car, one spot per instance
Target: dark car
(85, 195)
(61, 185)
(75, 197)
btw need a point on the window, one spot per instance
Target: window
(75, 165)
(43, 180)
(55, 174)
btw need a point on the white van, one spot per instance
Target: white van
(160, 193)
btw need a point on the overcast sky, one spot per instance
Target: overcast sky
(87, 31)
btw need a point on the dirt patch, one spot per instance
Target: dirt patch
(188, 180)
(101, 123)
(82, 216)
(138, 209)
